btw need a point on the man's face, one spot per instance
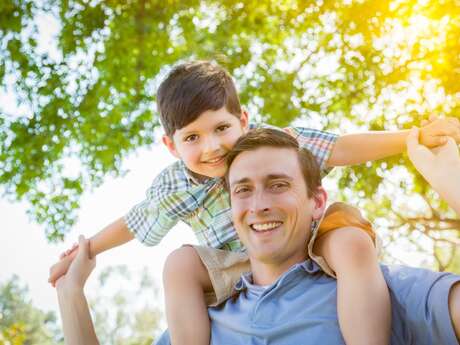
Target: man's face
(203, 144)
(271, 209)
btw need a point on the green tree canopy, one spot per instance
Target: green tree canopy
(88, 100)
(21, 323)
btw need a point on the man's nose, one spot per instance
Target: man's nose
(260, 203)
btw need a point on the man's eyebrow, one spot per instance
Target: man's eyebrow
(278, 176)
(268, 177)
(241, 180)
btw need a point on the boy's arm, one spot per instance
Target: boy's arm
(113, 235)
(358, 148)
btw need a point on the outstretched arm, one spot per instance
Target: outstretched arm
(358, 148)
(76, 320)
(439, 166)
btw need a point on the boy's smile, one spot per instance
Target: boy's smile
(203, 144)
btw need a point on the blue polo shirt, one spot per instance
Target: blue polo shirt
(301, 308)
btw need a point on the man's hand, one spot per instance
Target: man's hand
(432, 163)
(435, 131)
(439, 166)
(80, 268)
(60, 268)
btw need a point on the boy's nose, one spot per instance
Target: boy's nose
(211, 144)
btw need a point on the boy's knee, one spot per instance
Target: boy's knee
(350, 246)
(454, 308)
(182, 263)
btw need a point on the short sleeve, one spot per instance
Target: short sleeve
(420, 305)
(163, 207)
(319, 143)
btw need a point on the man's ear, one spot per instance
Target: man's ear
(244, 120)
(320, 198)
(169, 143)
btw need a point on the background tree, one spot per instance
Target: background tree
(125, 307)
(21, 323)
(88, 100)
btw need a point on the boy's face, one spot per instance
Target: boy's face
(203, 144)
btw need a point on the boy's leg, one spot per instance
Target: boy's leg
(186, 280)
(363, 300)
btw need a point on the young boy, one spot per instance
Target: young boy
(202, 119)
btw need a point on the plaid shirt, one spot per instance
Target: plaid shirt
(204, 205)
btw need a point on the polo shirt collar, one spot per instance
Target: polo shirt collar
(309, 266)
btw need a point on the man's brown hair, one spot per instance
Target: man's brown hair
(268, 137)
(192, 88)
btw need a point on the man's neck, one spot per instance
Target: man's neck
(267, 273)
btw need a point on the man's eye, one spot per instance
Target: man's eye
(191, 138)
(240, 190)
(222, 128)
(279, 185)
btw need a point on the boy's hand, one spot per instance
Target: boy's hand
(60, 268)
(435, 132)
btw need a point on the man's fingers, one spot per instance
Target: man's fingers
(412, 138)
(83, 246)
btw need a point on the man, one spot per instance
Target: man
(276, 195)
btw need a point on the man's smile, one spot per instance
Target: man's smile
(265, 226)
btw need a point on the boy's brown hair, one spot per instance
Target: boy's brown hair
(268, 137)
(192, 88)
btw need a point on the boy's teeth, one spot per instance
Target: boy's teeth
(265, 226)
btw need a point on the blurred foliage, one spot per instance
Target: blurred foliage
(21, 323)
(125, 307)
(123, 303)
(87, 99)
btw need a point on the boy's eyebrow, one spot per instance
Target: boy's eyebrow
(193, 131)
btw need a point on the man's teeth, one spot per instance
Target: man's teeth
(265, 226)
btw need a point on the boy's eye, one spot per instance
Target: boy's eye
(191, 138)
(222, 128)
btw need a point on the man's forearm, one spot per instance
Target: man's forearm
(76, 319)
(111, 236)
(358, 148)
(447, 185)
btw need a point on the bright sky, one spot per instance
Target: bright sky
(24, 250)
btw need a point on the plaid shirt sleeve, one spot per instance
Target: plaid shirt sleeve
(318, 142)
(151, 219)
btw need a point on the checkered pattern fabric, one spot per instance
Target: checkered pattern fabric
(204, 205)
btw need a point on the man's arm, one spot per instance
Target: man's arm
(358, 148)
(76, 320)
(439, 166)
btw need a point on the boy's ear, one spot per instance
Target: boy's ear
(169, 143)
(244, 119)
